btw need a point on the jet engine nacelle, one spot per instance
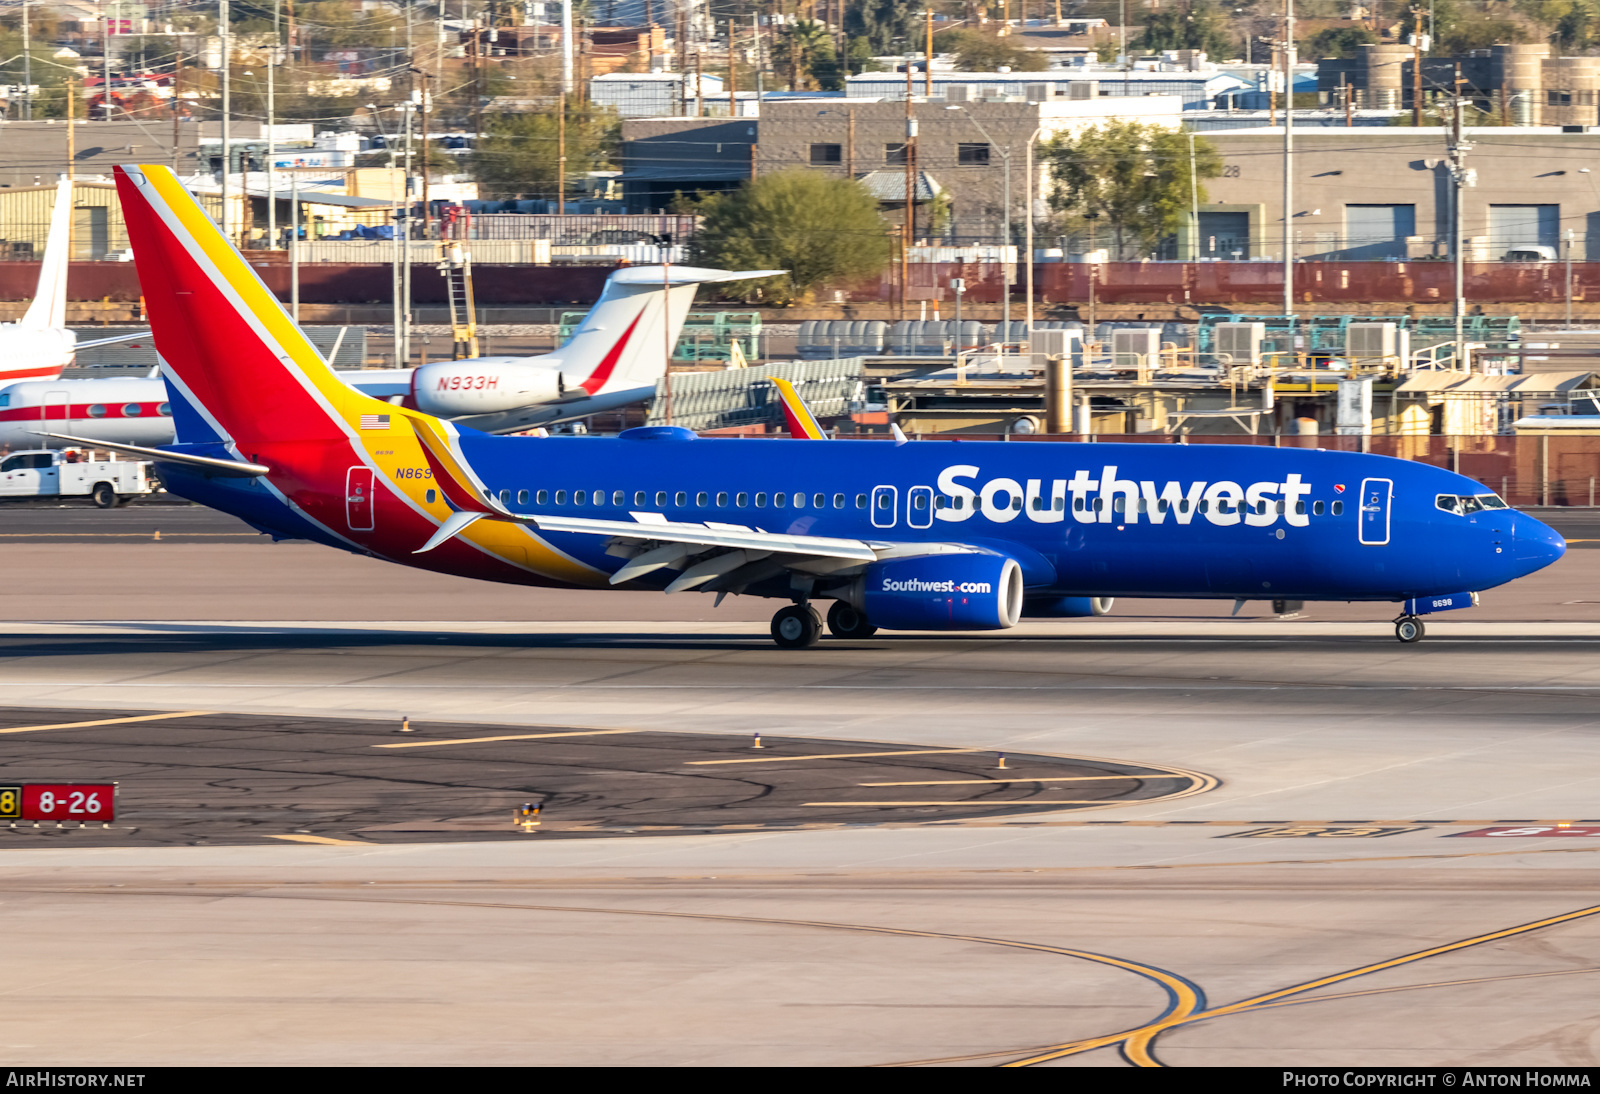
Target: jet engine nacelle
(485, 385)
(944, 592)
(1067, 607)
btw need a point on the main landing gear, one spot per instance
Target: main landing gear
(1408, 628)
(798, 627)
(847, 622)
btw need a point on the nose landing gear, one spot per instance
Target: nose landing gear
(796, 627)
(1408, 628)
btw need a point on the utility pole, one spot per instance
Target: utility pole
(27, 66)
(294, 246)
(561, 157)
(909, 225)
(1416, 66)
(105, 69)
(227, 148)
(755, 26)
(403, 335)
(566, 48)
(1288, 157)
(272, 136)
(733, 73)
(927, 71)
(1027, 214)
(72, 152)
(1460, 179)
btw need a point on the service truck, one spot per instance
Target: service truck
(42, 473)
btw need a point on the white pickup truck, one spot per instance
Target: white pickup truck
(46, 474)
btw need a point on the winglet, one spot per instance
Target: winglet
(900, 437)
(803, 425)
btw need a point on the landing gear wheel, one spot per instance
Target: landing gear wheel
(847, 622)
(103, 495)
(796, 627)
(1409, 629)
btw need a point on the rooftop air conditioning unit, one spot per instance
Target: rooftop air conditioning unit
(1041, 93)
(1371, 343)
(1240, 341)
(1083, 89)
(1137, 347)
(957, 93)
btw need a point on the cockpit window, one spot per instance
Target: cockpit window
(1464, 504)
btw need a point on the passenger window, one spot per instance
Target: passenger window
(681, 498)
(920, 501)
(838, 501)
(1099, 504)
(505, 497)
(431, 495)
(701, 498)
(1203, 506)
(961, 503)
(619, 498)
(819, 501)
(13, 463)
(761, 499)
(598, 497)
(1299, 508)
(799, 500)
(883, 500)
(1280, 508)
(1077, 505)
(542, 497)
(1183, 506)
(522, 497)
(777, 500)
(1016, 502)
(579, 497)
(641, 498)
(941, 502)
(742, 500)
(1144, 506)
(561, 497)
(1118, 503)
(1060, 505)
(722, 499)
(861, 501)
(1338, 508)
(1316, 508)
(1163, 505)
(661, 499)
(1038, 504)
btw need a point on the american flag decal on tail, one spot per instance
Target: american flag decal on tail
(374, 421)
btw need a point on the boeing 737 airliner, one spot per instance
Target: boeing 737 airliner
(923, 535)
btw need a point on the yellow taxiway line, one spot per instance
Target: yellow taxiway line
(982, 804)
(105, 722)
(1025, 779)
(510, 737)
(837, 756)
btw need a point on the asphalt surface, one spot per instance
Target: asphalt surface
(210, 779)
(1390, 859)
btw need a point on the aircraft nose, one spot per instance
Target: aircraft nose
(1535, 544)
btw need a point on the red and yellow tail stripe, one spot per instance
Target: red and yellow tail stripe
(803, 425)
(251, 372)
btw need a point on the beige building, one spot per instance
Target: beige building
(1385, 193)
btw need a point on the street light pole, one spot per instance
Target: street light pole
(1288, 157)
(1006, 237)
(227, 149)
(1027, 212)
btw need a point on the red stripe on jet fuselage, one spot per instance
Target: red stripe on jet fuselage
(597, 379)
(56, 412)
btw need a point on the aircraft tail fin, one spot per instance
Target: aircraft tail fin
(229, 349)
(803, 425)
(48, 309)
(627, 338)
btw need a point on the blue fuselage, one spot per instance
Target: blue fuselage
(1123, 520)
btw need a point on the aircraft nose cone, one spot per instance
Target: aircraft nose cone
(1535, 544)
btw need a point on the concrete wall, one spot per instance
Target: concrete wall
(1338, 168)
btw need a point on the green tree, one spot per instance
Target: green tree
(1338, 42)
(805, 49)
(519, 157)
(977, 52)
(1200, 26)
(819, 228)
(1133, 176)
(885, 24)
